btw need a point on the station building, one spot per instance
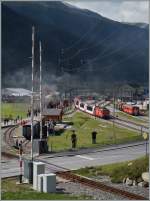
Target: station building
(52, 114)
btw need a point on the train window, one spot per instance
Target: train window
(82, 105)
(89, 108)
(77, 103)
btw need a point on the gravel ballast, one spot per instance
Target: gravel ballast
(77, 189)
(133, 189)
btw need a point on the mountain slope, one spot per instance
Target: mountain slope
(100, 50)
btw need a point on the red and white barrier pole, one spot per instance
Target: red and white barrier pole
(20, 162)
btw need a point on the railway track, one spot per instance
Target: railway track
(8, 155)
(8, 136)
(99, 185)
(127, 121)
(129, 124)
(53, 167)
(123, 123)
(68, 175)
(10, 143)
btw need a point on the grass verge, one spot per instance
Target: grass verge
(131, 118)
(14, 109)
(12, 191)
(84, 125)
(118, 171)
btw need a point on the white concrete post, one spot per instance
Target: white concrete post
(49, 183)
(38, 168)
(40, 183)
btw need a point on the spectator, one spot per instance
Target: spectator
(7, 121)
(21, 119)
(94, 133)
(17, 144)
(74, 140)
(29, 113)
(51, 127)
(20, 144)
(20, 147)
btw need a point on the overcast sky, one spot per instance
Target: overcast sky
(119, 10)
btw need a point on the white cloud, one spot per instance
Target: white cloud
(119, 10)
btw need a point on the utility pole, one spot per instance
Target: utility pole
(32, 96)
(61, 63)
(114, 134)
(40, 89)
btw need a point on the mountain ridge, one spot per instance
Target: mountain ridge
(60, 30)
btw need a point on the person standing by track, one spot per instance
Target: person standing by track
(94, 133)
(74, 139)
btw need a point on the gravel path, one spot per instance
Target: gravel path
(77, 189)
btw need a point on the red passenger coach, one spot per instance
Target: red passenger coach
(92, 109)
(102, 112)
(77, 104)
(130, 109)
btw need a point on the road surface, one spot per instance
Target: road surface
(98, 158)
(11, 167)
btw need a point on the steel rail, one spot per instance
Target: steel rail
(99, 185)
(130, 122)
(7, 136)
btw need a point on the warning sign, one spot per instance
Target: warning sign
(145, 136)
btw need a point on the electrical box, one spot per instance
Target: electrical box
(28, 170)
(40, 146)
(49, 183)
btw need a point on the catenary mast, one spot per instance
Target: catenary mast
(40, 46)
(32, 96)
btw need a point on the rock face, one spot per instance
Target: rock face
(129, 182)
(143, 184)
(145, 176)
(124, 180)
(139, 180)
(134, 183)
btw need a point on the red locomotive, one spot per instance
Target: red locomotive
(101, 112)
